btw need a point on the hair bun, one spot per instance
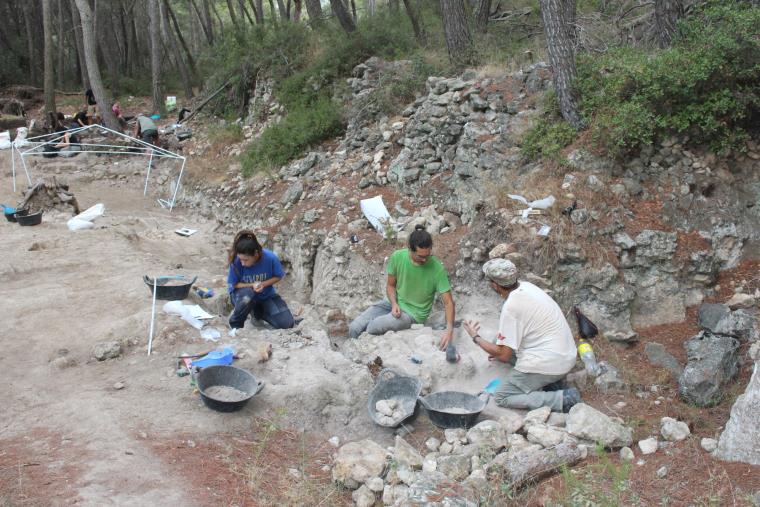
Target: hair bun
(419, 227)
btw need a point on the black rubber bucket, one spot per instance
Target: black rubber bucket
(391, 385)
(452, 409)
(178, 289)
(10, 213)
(28, 219)
(226, 376)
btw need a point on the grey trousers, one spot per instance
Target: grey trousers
(377, 319)
(523, 390)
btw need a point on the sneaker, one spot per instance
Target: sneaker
(570, 397)
(559, 385)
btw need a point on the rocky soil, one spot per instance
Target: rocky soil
(659, 250)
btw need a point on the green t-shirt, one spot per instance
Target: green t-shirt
(416, 286)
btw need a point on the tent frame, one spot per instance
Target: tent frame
(34, 146)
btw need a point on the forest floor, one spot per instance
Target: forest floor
(129, 431)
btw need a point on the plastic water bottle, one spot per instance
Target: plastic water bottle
(588, 357)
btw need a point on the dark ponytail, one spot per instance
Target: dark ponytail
(420, 238)
(245, 243)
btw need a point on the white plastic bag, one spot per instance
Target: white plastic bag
(84, 219)
(211, 334)
(188, 317)
(20, 138)
(5, 140)
(174, 308)
(92, 212)
(74, 224)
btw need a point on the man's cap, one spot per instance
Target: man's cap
(501, 271)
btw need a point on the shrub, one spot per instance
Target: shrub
(705, 85)
(547, 138)
(299, 130)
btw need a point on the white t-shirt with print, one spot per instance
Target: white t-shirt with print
(533, 325)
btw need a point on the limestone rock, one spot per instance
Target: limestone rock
(648, 446)
(356, 462)
(709, 444)
(712, 361)
(106, 350)
(588, 423)
(363, 497)
(673, 430)
(406, 455)
(740, 440)
(626, 454)
(658, 356)
(546, 436)
(454, 466)
(511, 421)
(537, 416)
(488, 434)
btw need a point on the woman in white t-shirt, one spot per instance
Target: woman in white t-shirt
(533, 337)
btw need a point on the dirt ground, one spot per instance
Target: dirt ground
(67, 435)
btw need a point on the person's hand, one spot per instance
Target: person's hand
(396, 311)
(258, 287)
(446, 339)
(472, 327)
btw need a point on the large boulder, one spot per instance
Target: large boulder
(719, 319)
(740, 441)
(488, 434)
(713, 360)
(434, 488)
(356, 462)
(588, 423)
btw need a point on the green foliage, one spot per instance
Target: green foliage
(225, 134)
(299, 130)
(547, 138)
(603, 483)
(705, 85)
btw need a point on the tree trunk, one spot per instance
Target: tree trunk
(666, 15)
(456, 32)
(88, 41)
(109, 49)
(344, 18)
(204, 19)
(353, 10)
(414, 17)
(258, 10)
(79, 39)
(283, 11)
(482, 15)
(297, 9)
(27, 7)
(244, 14)
(370, 7)
(233, 14)
(61, 45)
(155, 58)
(314, 10)
(187, 81)
(562, 57)
(178, 32)
(49, 87)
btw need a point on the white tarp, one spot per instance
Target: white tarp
(376, 212)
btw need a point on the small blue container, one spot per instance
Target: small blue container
(221, 357)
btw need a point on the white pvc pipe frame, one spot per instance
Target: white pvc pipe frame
(36, 145)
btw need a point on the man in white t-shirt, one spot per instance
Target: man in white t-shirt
(533, 337)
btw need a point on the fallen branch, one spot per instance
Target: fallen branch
(208, 99)
(524, 468)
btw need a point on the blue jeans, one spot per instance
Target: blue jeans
(377, 319)
(273, 310)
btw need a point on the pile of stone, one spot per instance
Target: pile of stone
(457, 471)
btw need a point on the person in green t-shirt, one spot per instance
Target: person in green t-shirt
(414, 278)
